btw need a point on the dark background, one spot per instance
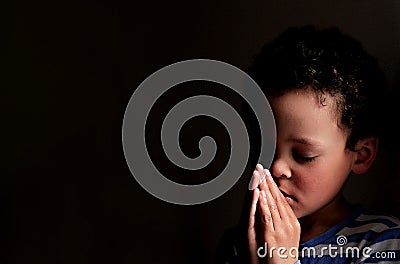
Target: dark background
(68, 71)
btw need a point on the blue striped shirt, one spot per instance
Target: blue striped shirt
(366, 236)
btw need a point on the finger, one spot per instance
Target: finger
(269, 184)
(255, 180)
(276, 193)
(261, 175)
(261, 172)
(251, 233)
(265, 213)
(271, 200)
(253, 208)
(280, 200)
(272, 206)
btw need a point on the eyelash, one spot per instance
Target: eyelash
(302, 158)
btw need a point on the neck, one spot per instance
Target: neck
(320, 221)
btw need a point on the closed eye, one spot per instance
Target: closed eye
(302, 158)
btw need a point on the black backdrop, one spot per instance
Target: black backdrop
(68, 71)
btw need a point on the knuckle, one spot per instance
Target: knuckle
(267, 218)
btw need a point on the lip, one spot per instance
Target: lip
(288, 196)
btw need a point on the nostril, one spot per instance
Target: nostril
(281, 177)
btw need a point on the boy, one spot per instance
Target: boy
(324, 91)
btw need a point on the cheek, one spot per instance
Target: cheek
(309, 181)
(341, 161)
(339, 168)
(317, 178)
(322, 179)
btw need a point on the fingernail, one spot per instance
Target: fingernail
(263, 179)
(259, 166)
(254, 181)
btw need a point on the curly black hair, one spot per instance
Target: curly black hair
(332, 63)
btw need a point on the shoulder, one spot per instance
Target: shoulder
(377, 232)
(372, 225)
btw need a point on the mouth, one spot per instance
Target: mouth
(288, 197)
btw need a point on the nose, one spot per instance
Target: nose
(280, 168)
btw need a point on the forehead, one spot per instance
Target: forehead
(306, 111)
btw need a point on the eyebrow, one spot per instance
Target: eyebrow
(306, 141)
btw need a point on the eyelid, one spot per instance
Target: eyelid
(304, 155)
(304, 158)
(308, 159)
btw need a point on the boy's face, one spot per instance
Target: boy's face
(311, 162)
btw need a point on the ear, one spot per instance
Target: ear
(366, 152)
